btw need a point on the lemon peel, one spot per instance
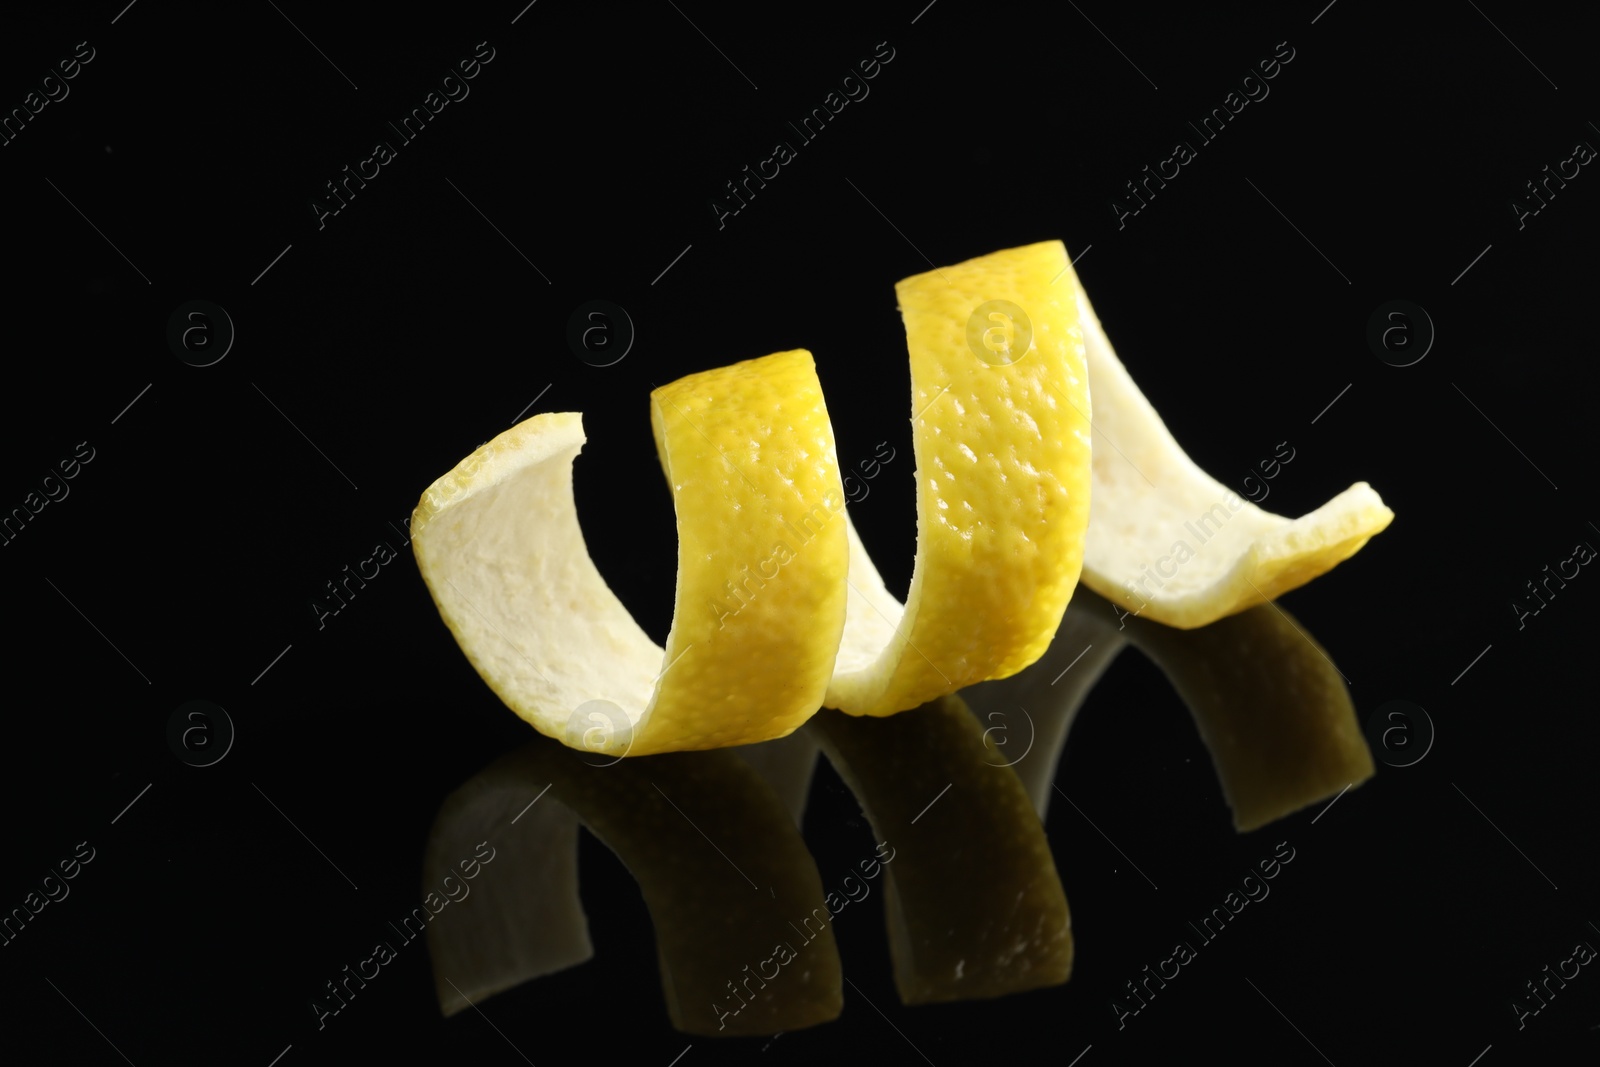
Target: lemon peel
(1170, 543)
(780, 609)
(499, 546)
(1002, 446)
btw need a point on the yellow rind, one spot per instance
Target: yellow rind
(779, 610)
(1003, 484)
(750, 456)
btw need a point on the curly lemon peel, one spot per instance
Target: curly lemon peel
(750, 456)
(779, 608)
(1003, 455)
(1170, 543)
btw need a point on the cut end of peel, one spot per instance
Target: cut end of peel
(1205, 582)
(1167, 541)
(762, 557)
(498, 545)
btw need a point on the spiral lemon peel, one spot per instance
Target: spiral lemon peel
(779, 609)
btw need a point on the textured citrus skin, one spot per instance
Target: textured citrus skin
(762, 554)
(779, 609)
(762, 564)
(1003, 478)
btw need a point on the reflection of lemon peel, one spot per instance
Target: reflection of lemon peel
(1272, 709)
(933, 785)
(526, 920)
(1036, 708)
(786, 764)
(697, 832)
(1171, 543)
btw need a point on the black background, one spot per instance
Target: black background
(410, 328)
